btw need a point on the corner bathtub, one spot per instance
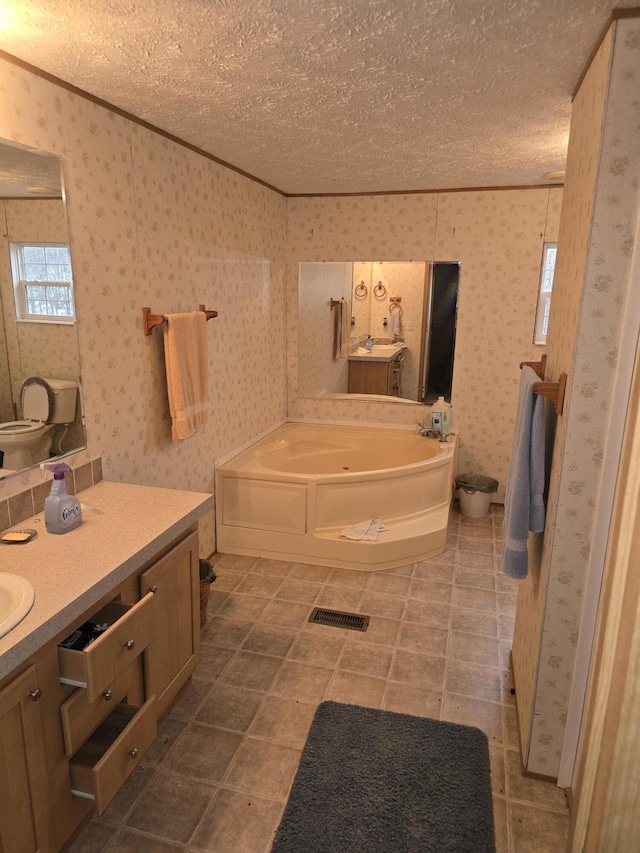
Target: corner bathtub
(290, 495)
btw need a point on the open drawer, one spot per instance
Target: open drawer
(80, 716)
(104, 762)
(95, 667)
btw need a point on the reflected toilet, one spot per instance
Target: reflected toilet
(44, 403)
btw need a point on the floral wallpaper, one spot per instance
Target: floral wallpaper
(602, 199)
(498, 237)
(154, 224)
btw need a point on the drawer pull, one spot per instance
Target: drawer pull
(34, 695)
(134, 752)
(107, 695)
(129, 644)
(153, 588)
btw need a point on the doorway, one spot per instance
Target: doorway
(439, 327)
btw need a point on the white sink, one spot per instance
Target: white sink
(379, 349)
(16, 600)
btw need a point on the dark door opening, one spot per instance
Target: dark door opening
(440, 332)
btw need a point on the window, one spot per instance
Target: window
(544, 295)
(42, 281)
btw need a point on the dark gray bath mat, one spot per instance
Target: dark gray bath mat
(379, 782)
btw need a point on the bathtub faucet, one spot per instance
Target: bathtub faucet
(433, 432)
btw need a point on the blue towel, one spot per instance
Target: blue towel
(524, 509)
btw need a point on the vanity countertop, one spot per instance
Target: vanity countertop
(385, 353)
(123, 527)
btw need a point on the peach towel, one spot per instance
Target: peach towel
(185, 355)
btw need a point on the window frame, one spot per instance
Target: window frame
(543, 305)
(21, 282)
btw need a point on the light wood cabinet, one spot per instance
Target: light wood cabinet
(376, 377)
(74, 724)
(26, 824)
(174, 652)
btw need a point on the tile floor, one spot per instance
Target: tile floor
(218, 775)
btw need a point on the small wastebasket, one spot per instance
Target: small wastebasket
(474, 492)
(207, 577)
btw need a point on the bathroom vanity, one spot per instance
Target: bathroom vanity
(74, 723)
(376, 372)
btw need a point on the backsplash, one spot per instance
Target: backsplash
(23, 504)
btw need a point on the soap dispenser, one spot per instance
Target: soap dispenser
(62, 511)
(369, 344)
(441, 417)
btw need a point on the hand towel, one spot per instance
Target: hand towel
(367, 531)
(395, 321)
(185, 355)
(524, 509)
(342, 328)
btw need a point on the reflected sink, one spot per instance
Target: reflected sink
(16, 600)
(379, 349)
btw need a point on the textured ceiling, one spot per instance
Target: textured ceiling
(326, 96)
(21, 168)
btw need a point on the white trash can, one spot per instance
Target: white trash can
(474, 494)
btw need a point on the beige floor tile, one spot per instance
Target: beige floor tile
(251, 670)
(367, 658)
(537, 830)
(236, 822)
(292, 589)
(475, 544)
(127, 796)
(233, 562)
(468, 711)
(409, 699)
(474, 649)
(375, 604)
(216, 600)
(501, 825)
(339, 598)
(506, 625)
(533, 791)
(203, 752)
(242, 608)
(505, 584)
(427, 612)
(190, 700)
(469, 679)
(498, 772)
(388, 584)
(169, 731)
(474, 622)
(275, 568)
(212, 662)
(130, 841)
(302, 681)
(429, 570)
(475, 561)
(264, 768)
(475, 578)
(270, 639)
(511, 732)
(381, 630)
(322, 648)
(94, 839)
(230, 707)
(227, 581)
(472, 598)
(422, 670)
(431, 591)
(225, 633)
(307, 572)
(356, 689)
(263, 586)
(414, 637)
(171, 806)
(290, 614)
(507, 603)
(284, 720)
(347, 578)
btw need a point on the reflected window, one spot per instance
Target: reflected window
(42, 281)
(544, 294)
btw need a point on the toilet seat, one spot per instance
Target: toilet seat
(20, 427)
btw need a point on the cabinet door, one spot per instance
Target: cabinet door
(174, 652)
(24, 794)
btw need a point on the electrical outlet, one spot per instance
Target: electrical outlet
(409, 325)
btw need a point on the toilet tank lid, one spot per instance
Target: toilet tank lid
(60, 384)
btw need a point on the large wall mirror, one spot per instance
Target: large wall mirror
(40, 401)
(400, 340)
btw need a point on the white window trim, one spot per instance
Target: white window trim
(544, 296)
(20, 284)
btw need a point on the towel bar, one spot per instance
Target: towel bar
(150, 320)
(553, 391)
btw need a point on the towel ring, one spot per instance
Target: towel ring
(361, 290)
(380, 290)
